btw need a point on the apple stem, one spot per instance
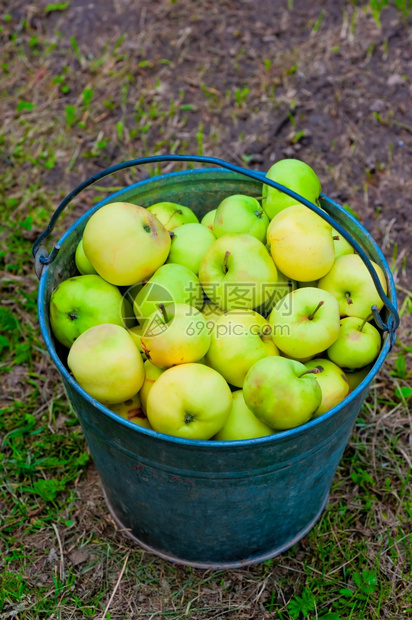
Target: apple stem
(336, 238)
(315, 371)
(348, 298)
(145, 350)
(265, 332)
(225, 261)
(320, 304)
(364, 322)
(163, 311)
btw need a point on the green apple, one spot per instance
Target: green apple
(176, 334)
(170, 284)
(240, 214)
(132, 410)
(82, 302)
(125, 243)
(340, 244)
(239, 340)
(83, 264)
(208, 219)
(190, 243)
(191, 401)
(242, 423)
(295, 175)
(301, 244)
(105, 362)
(305, 322)
(172, 215)
(358, 344)
(282, 393)
(356, 377)
(351, 283)
(151, 374)
(333, 384)
(238, 273)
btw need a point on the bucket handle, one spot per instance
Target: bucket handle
(42, 258)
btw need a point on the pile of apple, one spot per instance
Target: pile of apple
(250, 322)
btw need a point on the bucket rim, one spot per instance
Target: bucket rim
(203, 443)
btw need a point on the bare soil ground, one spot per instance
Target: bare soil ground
(94, 83)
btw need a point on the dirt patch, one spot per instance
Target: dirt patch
(320, 82)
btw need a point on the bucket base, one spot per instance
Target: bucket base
(217, 565)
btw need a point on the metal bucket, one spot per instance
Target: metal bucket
(203, 503)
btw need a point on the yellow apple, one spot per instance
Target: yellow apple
(333, 384)
(176, 334)
(301, 244)
(105, 362)
(191, 401)
(125, 243)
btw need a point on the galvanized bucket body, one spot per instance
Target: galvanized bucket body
(209, 503)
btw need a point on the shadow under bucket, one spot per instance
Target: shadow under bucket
(203, 503)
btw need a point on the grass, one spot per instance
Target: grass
(71, 109)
